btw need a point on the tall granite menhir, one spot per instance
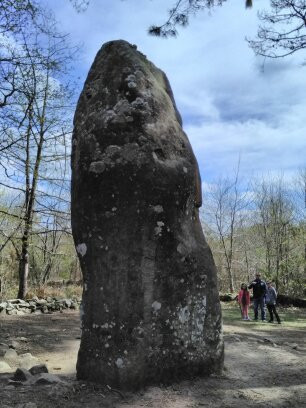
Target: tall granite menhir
(150, 299)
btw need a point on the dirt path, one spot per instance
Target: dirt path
(264, 367)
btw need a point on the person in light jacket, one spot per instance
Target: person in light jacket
(271, 297)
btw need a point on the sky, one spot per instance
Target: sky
(235, 106)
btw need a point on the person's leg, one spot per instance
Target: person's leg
(247, 312)
(244, 312)
(262, 308)
(255, 305)
(276, 314)
(270, 312)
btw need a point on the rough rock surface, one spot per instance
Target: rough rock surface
(151, 311)
(38, 369)
(21, 374)
(36, 306)
(5, 367)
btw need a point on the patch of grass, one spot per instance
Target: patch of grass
(64, 291)
(291, 317)
(68, 292)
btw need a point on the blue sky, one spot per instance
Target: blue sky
(232, 103)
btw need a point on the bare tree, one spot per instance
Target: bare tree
(180, 13)
(15, 16)
(37, 124)
(275, 212)
(300, 215)
(226, 205)
(283, 31)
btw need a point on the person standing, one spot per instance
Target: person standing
(244, 301)
(259, 291)
(271, 297)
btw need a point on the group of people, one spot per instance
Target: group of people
(264, 294)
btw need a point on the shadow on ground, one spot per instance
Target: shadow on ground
(265, 366)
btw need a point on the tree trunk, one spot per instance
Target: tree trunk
(23, 270)
(231, 280)
(47, 273)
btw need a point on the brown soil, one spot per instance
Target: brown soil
(263, 368)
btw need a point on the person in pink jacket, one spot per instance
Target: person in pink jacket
(244, 301)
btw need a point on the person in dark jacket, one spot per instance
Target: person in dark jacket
(271, 296)
(259, 291)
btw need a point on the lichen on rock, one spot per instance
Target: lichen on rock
(136, 191)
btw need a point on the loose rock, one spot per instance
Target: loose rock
(22, 375)
(11, 356)
(27, 361)
(14, 345)
(5, 367)
(46, 378)
(38, 369)
(3, 349)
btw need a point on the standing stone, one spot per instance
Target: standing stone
(151, 311)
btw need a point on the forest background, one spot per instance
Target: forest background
(252, 222)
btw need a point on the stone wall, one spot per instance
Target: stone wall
(37, 306)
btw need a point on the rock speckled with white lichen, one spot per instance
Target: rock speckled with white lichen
(151, 311)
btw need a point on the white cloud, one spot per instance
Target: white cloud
(232, 102)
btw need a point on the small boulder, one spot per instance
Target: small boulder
(11, 356)
(27, 361)
(24, 339)
(21, 374)
(11, 311)
(3, 349)
(46, 378)
(44, 308)
(3, 305)
(67, 303)
(39, 369)
(14, 301)
(4, 367)
(14, 345)
(24, 305)
(41, 301)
